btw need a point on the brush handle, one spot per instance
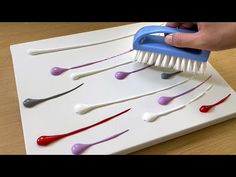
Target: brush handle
(148, 30)
(144, 40)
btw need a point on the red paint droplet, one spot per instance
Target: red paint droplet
(206, 108)
(45, 140)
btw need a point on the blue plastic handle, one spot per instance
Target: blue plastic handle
(148, 30)
(145, 41)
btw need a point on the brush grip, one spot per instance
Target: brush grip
(148, 30)
(145, 40)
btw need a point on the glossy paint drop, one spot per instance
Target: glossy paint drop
(206, 108)
(29, 102)
(56, 71)
(169, 75)
(122, 75)
(79, 148)
(150, 117)
(46, 140)
(85, 108)
(164, 100)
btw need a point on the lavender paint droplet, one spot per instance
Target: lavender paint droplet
(121, 75)
(57, 71)
(164, 100)
(79, 148)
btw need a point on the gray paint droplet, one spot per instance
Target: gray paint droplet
(168, 75)
(29, 102)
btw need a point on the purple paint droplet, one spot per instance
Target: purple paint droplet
(57, 71)
(164, 100)
(121, 75)
(79, 148)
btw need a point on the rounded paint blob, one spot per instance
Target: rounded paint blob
(121, 75)
(56, 71)
(29, 102)
(164, 100)
(74, 76)
(46, 140)
(79, 148)
(149, 117)
(206, 108)
(168, 75)
(82, 108)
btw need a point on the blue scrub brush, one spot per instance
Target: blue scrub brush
(152, 50)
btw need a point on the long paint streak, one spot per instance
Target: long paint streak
(56, 71)
(79, 148)
(76, 76)
(164, 100)
(150, 117)
(84, 108)
(29, 102)
(50, 50)
(47, 139)
(122, 75)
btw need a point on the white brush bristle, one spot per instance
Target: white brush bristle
(159, 59)
(177, 63)
(146, 57)
(172, 62)
(152, 59)
(166, 61)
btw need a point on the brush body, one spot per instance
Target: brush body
(152, 49)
